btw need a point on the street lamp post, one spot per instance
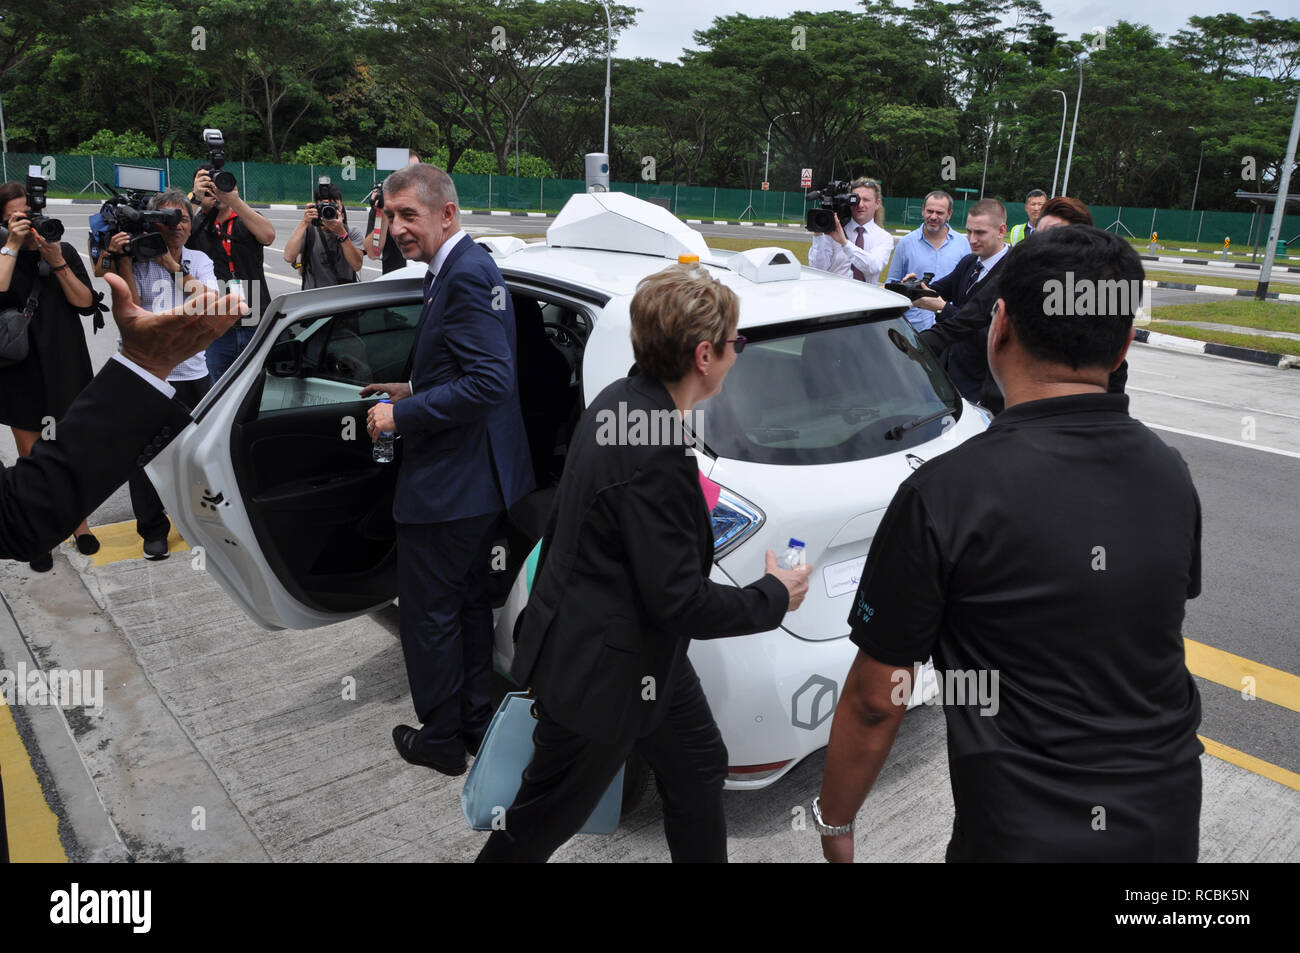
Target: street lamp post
(1198, 171)
(1074, 127)
(1060, 140)
(988, 141)
(768, 154)
(609, 46)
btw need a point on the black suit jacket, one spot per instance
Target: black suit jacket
(118, 423)
(960, 332)
(624, 578)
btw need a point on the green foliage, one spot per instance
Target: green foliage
(124, 145)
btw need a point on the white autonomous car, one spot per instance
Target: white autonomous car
(832, 404)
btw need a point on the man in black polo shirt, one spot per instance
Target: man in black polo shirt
(1045, 564)
(232, 233)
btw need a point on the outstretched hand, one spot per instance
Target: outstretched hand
(158, 342)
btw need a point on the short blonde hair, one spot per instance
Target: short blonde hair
(672, 312)
(862, 182)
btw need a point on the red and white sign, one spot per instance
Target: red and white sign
(766, 186)
(805, 179)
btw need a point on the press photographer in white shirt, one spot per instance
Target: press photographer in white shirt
(864, 251)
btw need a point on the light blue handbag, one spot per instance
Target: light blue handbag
(496, 774)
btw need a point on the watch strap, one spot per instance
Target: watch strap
(825, 829)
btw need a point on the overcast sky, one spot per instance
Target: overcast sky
(665, 27)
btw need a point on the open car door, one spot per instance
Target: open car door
(276, 481)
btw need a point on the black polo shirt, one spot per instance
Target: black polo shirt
(235, 253)
(1045, 565)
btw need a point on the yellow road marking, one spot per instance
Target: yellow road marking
(1251, 763)
(33, 827)
(119, 541)
(1224, 668)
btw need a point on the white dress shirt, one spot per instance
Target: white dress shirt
(841, 259)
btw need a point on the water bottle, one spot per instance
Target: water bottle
(383, 451)
(793, 557)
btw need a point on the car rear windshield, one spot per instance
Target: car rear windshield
(845, 388)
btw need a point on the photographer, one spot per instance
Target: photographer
(157, 285)
(40, 387)
(324, 247)
(230, 232)
(377, 243)
(864, 252)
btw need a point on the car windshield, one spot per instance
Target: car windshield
(848, 388)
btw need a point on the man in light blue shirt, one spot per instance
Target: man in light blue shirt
(934, 247)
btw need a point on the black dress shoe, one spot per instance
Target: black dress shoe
(473, 741)
(87, 544)
(407, 740)
(42, 563)
(156, 548)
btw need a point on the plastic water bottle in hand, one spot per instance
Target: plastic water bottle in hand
(794, 556)
(383, 451)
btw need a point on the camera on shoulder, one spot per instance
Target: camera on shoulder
(130, 213)
(834, 200)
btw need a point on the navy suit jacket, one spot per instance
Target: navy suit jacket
(465, 451)
(960, 331)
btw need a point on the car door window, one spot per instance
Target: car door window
(326, 360)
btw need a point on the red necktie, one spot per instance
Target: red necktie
(861, 243)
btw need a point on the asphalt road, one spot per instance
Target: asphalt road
(211, 712)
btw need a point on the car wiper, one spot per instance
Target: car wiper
(893, 433)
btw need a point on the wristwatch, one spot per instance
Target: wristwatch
(824, 829)
(5, 250)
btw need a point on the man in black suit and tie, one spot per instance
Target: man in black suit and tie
(124, 417)
(464, 463)
(963, 301)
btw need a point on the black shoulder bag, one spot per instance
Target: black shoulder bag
(14, 342)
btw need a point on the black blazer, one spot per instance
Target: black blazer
(117, 424)
(624, 578)
(960, 331)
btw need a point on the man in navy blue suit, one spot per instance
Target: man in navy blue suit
(464, 463)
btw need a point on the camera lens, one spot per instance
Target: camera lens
(224, 180)
(50, 229)
(329, 213)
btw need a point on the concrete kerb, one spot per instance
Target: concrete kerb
(1191, 346)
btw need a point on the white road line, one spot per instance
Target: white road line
(1233, 443)
(1216, 403)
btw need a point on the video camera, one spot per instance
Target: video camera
(912, 289)
(50, 229)
(834, 199)
(216, 142)
(325, 191)
(127, 213)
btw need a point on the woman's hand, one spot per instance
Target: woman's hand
(794, 580)
(19, 229)
(52, 252)
(117, 244)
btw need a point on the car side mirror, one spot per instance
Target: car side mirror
(285, 359)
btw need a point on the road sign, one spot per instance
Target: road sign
(766, 186)
(805, 179)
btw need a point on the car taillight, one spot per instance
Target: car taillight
(735, 519)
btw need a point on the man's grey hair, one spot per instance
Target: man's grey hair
(1035, 194)
(170, 198)
(937, 193)
(433, 187)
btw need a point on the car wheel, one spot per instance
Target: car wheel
(636, 778)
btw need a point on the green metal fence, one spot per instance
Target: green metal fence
(84, 176)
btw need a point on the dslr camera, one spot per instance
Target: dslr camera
(216, 143)
(50, 229)
(128, 213)
(834, 200)
(325, 211)
(912, 289)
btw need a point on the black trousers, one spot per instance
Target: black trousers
(568, 774)
(151, 520)
(445, 622)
